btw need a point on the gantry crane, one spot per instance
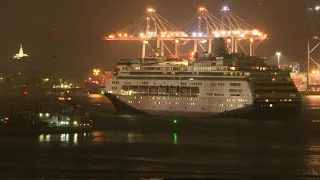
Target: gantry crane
(202, 28)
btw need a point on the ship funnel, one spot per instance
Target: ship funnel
(219, 47)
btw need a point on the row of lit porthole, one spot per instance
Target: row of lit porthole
(285, 100)
(195, 99)
(192, 104)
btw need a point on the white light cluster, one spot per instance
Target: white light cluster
(151, 10)
(225, 8)
(201, 9)
(120, 35)
(173, 34)
(222, 33)
(64, 122)
(46, 114)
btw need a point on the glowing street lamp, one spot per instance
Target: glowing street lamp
(317, 8)
(278, 54)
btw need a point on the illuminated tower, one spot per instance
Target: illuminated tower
(20, 54)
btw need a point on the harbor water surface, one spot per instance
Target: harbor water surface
(148, 147)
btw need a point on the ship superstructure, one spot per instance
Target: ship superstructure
(215, 84)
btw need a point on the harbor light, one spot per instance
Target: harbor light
(225, 8)
(201, 9)
(151, 10)
(96, 72)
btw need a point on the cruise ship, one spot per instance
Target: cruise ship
(217, 84)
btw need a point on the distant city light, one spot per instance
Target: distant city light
(255, 32)
(46, 79)
(151, 10)
(96, 72)
(225, 8)
(202, 9)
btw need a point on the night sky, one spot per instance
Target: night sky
(80, 23)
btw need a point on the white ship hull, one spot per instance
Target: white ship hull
(208, 103)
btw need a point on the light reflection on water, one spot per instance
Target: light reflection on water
(65, 138)
(134, 137)
(312, 161)
(103, 137)
(75, 138)
(312, 102)
(312, 147)
(175, 138)
(222, 146)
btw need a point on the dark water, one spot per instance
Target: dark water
(129, 147)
